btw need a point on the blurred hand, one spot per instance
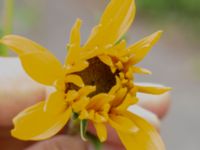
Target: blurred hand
(18, 91)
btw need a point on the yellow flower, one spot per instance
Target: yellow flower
(96, 82)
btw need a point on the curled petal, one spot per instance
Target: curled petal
(116, 20)
(147, 138)
(77, 67)
(35, 124)
(75, 79)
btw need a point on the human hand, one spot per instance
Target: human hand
(18, 91)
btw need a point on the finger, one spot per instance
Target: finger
(6, 140)
(60, 143)
(158, 104)
(17, 90)
(108, 146)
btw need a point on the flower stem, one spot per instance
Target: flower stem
(94, 140)
(7, 23)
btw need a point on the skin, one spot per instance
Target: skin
(18, 91)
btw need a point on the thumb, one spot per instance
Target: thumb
(60, 143)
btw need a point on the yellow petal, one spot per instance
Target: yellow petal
(56, 103)
(35, 124)
(99, 118)
(77, 67)
(119, 97)
(101, 131)
(152, 89)
(106, 60)
(75, 41)
(80, 104)
(122, 123)
(37, 61)
(84, 91)
(127, 102)
(98, 101)
(21, 45)
(84, 115)
(115, 88)
(75, 79)
(71, 95)
(42, 67)
(141, 48)
(147, 138)
(114, 23)
(141, 70)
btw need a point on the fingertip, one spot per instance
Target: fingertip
(61, 142)
(158, 104)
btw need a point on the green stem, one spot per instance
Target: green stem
(94, 140)
(7, 22)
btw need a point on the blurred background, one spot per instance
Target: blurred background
(174, 61)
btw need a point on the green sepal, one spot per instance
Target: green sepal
(83, 129)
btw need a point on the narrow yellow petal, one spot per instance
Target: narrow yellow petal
(35, 124)
(101, 131)
(56, 103)
(140, 70)
(74, 43)
(21, 45)
(75, 79)
(147, 138)
(123, 124)
(75, 38)
(152, 89)
(141, 48)
(42, 67)
(114, 23)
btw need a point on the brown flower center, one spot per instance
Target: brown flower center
(96, 74)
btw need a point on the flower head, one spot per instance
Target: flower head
(95, 83)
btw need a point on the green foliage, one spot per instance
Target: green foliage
(184, 8)
(183, 12)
